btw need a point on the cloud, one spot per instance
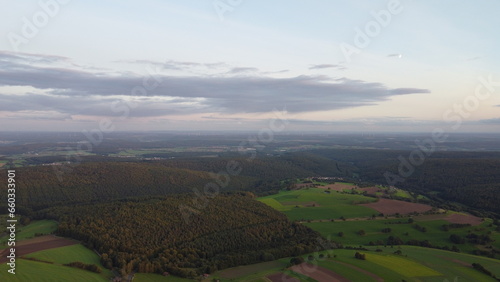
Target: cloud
(395, 55)
(324, 66)
(490, 121)
(242, 70)
(178, 65)
(365, 122)
(474, 58)
(78, 92)
(38, 115)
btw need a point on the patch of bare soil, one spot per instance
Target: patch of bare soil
(388, 207)
(37, 244)
(463, 219)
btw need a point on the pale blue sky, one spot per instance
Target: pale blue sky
(82, 62)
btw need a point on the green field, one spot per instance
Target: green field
(151, 277)
(402, 265)
(315, 203)
(28, 231)
(28, 270)
(67, 254)
(44, 272)
(373, 230)
(414, 264)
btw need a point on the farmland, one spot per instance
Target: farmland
(413, 264)
(41, 258)
(316, 203)
(36, 227)
(408, 222)
(44, 272)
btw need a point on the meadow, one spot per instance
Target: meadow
(315, 204)
(36, 227)
(53, 259)
(413, 264)
(27, 270)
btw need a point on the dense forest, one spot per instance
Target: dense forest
(156, 215)
(40, 187)
(468, 178)
(156, 234)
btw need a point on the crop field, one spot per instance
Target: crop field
(53, 251)
(391, 207)
(67, 254)
(27, 270)
(413, 264)
(29, 231)
(316, 203)
(402, 265)
(316, 209)
(373, 232)
(151, 277)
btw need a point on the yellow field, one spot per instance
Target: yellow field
(275, 204)
(402, 265)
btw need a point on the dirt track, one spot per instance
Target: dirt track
(37, 244)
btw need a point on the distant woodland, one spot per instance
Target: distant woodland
(148, 215)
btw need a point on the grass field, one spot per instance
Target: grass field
(151, 277)
(43, 272)
(27, 270)
(298, 204)
(28, 231)
(402, 265)
(415, 264)
(67, 254)
(373, 232)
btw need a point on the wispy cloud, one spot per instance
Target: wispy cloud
(474, 58)
(395, 55)
(324, 66)
(243, 70)
(78, 92)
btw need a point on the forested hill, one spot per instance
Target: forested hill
(39, 187)
(470, 178)
(46, 186)
(156, 236)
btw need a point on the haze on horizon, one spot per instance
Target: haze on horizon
(370, 66)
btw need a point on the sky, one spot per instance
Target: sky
(212, 65)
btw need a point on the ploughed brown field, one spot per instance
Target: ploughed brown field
(37, 244)
(390, 207)
(318, 273)
(464, 219)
